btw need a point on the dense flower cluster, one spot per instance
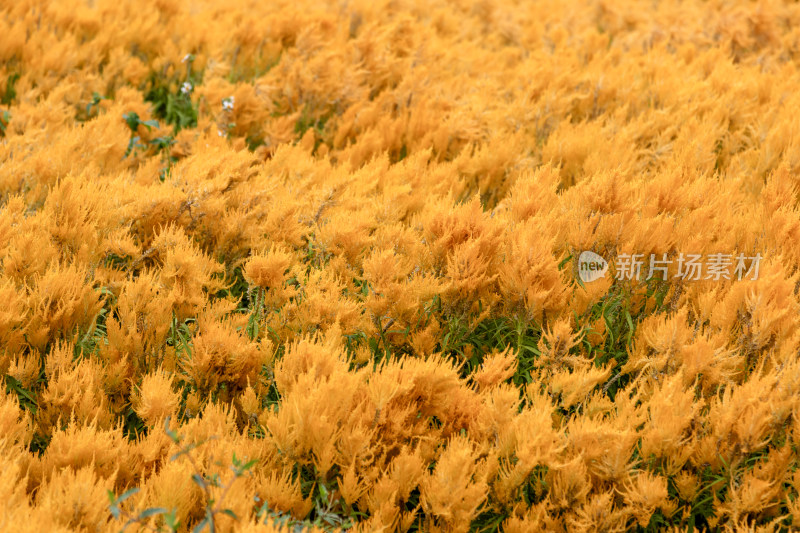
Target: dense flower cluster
(338, 240)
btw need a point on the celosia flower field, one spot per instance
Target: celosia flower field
(298, 265)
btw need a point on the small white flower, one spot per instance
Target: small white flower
(186, 88)
(227, 103)
(220, 133)
(187, 57)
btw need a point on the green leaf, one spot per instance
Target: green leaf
(564, 261)
(153, 511)
(132, 120)
(10, 92)
(230, 513)
(96, 98)
(5, 118)
(127, 494)
(171, 520)
(25, 397)
(630, 324)
(609, 329)
(201, 525)
(197, 478)
(114, 507)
